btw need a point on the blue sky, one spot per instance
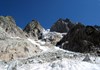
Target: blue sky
(47, 12)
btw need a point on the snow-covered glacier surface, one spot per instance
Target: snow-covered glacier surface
(55, 60)
(64, 64)
(52, 58)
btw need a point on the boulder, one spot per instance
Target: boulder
(87, 58)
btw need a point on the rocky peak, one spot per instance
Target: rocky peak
(62, 25)
(9, 25)
(34, 29)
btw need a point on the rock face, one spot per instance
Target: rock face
(81, 39)
(11, 49)
(3, 34)
(13, 41)
(62, 26)
(9, 25)
(34, 29)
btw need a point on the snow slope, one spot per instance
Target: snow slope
(64, 64)
(52, 59)
(44, 48)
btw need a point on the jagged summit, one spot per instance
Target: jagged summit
(34, 29)
(66, 20)
(62, 25)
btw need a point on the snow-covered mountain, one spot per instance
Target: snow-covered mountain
(34, 48)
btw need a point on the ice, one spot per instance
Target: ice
(16, 37)
(44, 48)
(47, 34)
(64, 64)
(41, 42)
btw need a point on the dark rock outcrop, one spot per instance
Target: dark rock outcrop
(34, 29)
(81, 38)
(10, 27)
(62, 26)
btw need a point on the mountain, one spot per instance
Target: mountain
(34, 29)
(82, 39)
(13, 41)
(9, 25)
(62, 25)
(34, 48)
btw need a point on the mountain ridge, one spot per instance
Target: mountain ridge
(35, 48)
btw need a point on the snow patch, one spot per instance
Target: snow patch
(44, 48)
(15, 37)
